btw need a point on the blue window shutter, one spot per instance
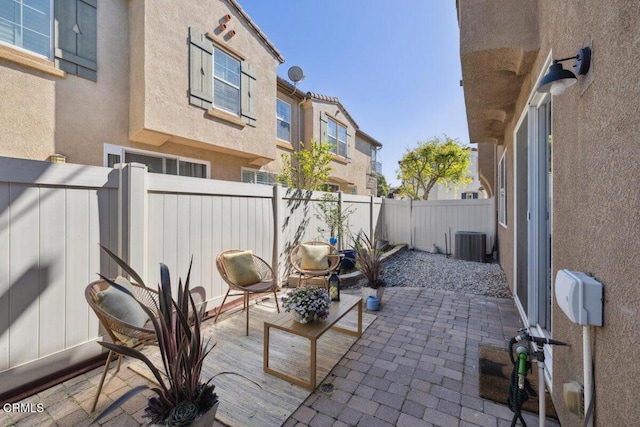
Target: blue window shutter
(76, 37)
(248, 97)
(200, 70)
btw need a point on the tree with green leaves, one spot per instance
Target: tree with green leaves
(383, 187)
(436, 161)
(307, 169)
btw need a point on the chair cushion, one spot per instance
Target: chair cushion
(122, 306)
(240, 268)
(314, 257)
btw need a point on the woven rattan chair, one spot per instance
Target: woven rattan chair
(266, 284)
(332, 265)
(124, 333)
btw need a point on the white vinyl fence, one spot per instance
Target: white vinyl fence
(422, 224)
(53, 216)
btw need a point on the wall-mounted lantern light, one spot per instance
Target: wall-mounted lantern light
(558, 79)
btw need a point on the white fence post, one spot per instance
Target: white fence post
(371, 224)
(135, 217)
(277, 233)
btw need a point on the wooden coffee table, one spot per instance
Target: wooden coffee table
(311, 331)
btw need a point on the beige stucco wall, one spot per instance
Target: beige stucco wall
(165, 110)
(597, 200)
(142, 84)
(42, 114)
(596, 203)
(27, 115)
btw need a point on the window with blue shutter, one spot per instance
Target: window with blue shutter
(219, 80)
(76, 37)
(30, 26)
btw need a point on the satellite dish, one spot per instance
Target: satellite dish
(295, 74)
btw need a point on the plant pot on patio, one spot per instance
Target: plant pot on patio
(204, 420)
(369, 291)
(369, 261)
(348, 261)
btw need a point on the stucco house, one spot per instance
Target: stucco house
(187, 88)
(316, 117)
(563, 168)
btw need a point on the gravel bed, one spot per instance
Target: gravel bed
(422, 269)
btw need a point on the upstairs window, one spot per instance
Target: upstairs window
(27, 24)
(283, 120)
(332, 131)
(220, 80)
(342, 141)
(337, 137)
(226, 82)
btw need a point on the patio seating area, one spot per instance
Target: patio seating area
(416, 364)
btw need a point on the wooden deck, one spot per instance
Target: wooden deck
(272, 400)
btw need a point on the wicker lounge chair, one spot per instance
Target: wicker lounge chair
(122, 332)
(264, 281)
(304, 272)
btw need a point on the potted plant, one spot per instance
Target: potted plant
(307, 303)
(369, 262)
(335, 220)
(182, 398)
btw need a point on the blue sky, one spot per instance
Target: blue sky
(394, 65)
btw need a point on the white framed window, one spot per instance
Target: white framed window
(331, 188)
(283, 120)
(502, 189)
(342, 141)
(226, 81)
(27, 24)
(255, 176)
(337, 137)
(156, 162)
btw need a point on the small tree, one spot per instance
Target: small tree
(334, 219)
(383, 187)
(307, 169)
(432, 162)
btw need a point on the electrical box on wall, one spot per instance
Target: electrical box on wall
(580, 297)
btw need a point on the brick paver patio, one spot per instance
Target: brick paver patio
(416, 365)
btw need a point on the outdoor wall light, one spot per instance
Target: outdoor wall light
(558, 79)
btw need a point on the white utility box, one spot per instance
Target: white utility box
(580, 297)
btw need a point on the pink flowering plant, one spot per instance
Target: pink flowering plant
(307, 303)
